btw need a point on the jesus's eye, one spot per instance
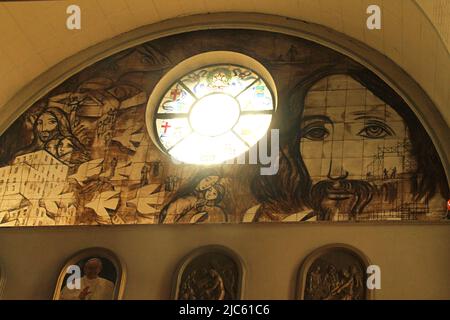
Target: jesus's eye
(375, 131)
(316, 133)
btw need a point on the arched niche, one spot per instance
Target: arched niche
(102, 272)
(334, 272)
(209, 273)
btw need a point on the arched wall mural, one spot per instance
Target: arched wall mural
(350, 147)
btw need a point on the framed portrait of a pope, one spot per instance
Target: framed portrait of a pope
(91, 274)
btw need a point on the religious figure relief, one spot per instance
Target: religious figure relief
(199, 201)
(333, 273)
(351, 156)
(92, 274)
(210, 273)
(203, 285)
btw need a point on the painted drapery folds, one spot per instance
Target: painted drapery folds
(350, 148)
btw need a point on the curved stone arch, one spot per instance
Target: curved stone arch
(341, 248)
(386, 69)
(206, 252)
(97, 252)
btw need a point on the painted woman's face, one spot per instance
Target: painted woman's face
(211, 194)
(207, 183)
(64, 150)
(47, 126)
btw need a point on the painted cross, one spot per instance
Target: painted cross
(175, 93)
(165, 126)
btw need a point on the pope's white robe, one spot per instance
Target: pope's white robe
(99, 288)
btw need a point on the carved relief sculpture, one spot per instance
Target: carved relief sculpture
(334, 272)
(209, 273)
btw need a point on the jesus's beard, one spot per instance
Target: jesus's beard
(329, 198)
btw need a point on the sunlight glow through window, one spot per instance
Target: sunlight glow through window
(214, 114)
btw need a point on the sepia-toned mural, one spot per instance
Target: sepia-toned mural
(350, 148)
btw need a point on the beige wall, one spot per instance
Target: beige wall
(414, 259)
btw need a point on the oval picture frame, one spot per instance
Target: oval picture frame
(204, 257)
(350, 266)
(105, 255)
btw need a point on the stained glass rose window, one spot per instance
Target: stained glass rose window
(213, 114)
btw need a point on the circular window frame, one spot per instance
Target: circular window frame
(192, 64)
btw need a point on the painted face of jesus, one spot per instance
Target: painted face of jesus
(355, 149)
(47, 126)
